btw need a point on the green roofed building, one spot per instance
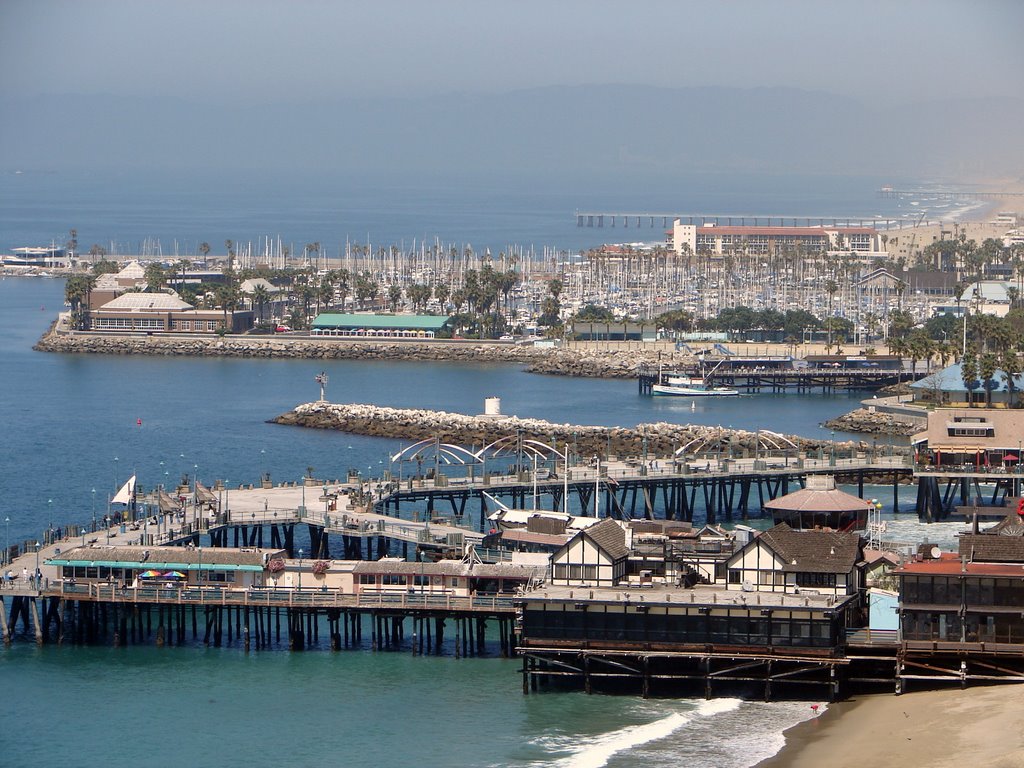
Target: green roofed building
(362, 325)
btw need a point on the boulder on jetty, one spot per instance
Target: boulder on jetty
(864, 420)
(560, 361)
(661, 439)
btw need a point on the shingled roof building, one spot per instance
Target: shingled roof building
(596, 556)
(784, 560)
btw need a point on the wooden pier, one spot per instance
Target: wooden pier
(944, 492)
(722, 488)
(664, 220)
(798, 380)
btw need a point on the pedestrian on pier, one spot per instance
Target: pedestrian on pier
(24, 574)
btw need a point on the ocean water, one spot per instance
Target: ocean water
(129, 212)
(71, 425)
(118, 708)
(72, 421)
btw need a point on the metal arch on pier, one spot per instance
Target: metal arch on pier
(446, 453)
(766, 441)
(513, 444)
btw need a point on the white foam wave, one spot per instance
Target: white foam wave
(603, 748)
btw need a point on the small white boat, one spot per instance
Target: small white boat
(690, 386)
(683, 385)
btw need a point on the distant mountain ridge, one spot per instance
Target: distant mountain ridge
(613, 129)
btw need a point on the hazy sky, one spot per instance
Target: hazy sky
(253, 51)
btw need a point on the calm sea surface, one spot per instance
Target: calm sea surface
(71, 426)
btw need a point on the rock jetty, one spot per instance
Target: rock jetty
(662, 439)
(866, 421)
(560, 362)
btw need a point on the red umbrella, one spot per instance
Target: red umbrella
(1011, 457)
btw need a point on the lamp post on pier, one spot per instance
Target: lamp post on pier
(35, 575)
(49, 518)
(7, 539)
(94, 510)
(300, 568)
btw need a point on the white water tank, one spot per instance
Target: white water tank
(492, 406)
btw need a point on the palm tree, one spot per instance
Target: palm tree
(987, 365)
(77, 290)
(1012, 366)
(969, 374)
(442, 293)
(260, 297)
(394, 296)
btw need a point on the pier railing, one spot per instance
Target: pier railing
(285, 598)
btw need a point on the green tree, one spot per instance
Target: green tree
(987, 365)
(154, 276)
(1012, 366)
(595, 314)
(394, 296)
(105, 267)
(77, 291)
(442, 293)
(969, 373)
(260, 298)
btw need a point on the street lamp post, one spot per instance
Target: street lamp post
(49, 518)
(300, 568)
(94, 510)
(83, 535)
(7, 539)
(115, 474)
(36, 574)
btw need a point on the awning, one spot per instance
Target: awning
(153, 565)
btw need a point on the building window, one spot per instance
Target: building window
(368, 579)
(816, 580)
(735, 576)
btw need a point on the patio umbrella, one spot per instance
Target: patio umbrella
(174, 575)
(150, 574)
(1011, 457)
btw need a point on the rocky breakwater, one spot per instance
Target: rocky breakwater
(866, 421)
(562, 362)
(661, 439)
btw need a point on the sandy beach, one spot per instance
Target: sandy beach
(938, 729)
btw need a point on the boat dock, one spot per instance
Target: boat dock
(800, 380)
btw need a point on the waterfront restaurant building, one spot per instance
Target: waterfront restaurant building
(368, 325)
(163, 567)
(970, 601)
(947, 387)
(597, 556)
(798, 562)
(982, 439)
(720, 239)
(163, 313)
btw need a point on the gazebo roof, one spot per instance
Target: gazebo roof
(820, 495)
